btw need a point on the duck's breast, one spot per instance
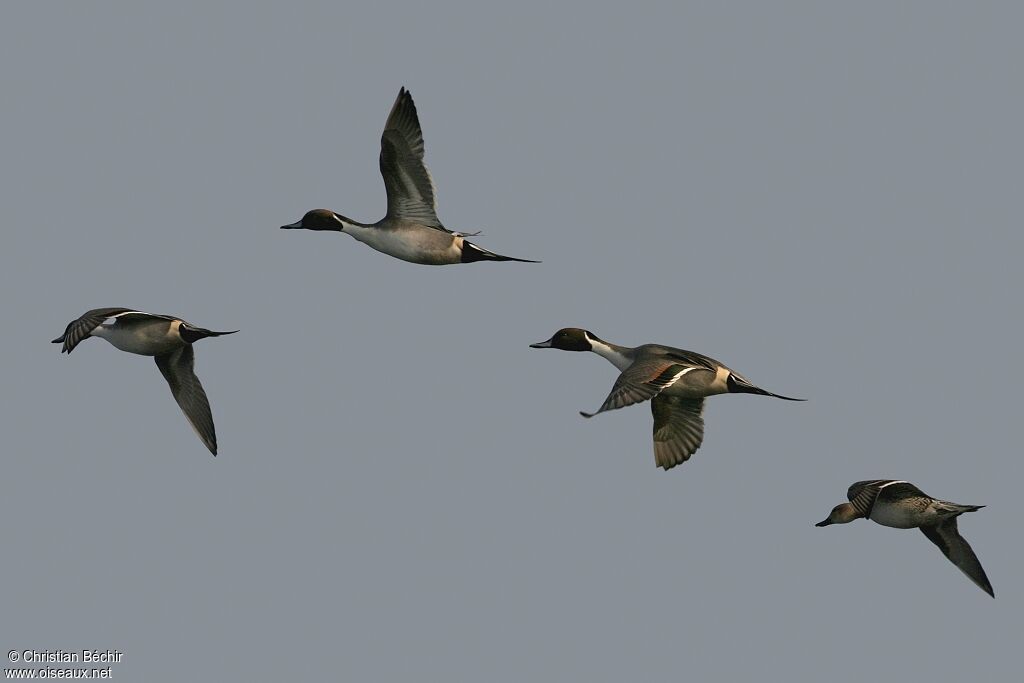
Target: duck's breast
(145, 337)
(413, 242)
(902, 514)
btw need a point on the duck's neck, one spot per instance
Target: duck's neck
(361, 231)
(618, 356)
(351, 226)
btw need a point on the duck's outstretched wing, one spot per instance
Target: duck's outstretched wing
(642, 381)
(79, 329)
(412, 194)
(678, 429)
(959, 552)
(178, 368)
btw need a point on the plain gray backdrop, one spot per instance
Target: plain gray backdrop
(824, 196)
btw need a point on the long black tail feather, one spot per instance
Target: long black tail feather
(472, 253)
(739, 385)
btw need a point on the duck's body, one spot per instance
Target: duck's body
(168, 339)
(699, 375)
(145, 335)
(409, 241)
(901, 505)
(411, 230)
(676, 382)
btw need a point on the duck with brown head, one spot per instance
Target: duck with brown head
(675, 381)
(901, 505)
(169, 340)
(410, 230)
(568, 339)
(319, 219)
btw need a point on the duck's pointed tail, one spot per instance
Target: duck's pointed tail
(957, 508)
(472, 253)
(191, 335)
(740, 385)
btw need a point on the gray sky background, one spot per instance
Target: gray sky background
(824, 196)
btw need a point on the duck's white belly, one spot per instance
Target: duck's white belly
(416, 244)
(144, 339)
(895, 516)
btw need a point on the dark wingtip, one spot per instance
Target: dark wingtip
(824, 522)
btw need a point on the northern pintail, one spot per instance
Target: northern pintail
(167, 338)
(901, 505)
(411, 230)
(673, 380)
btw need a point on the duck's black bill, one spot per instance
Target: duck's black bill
(292, 226)
(541, 345)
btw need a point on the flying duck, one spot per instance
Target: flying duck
(410, 230)
(901, 505)
(675, 381)
(165, 337)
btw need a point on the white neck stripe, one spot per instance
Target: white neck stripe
(614, 357)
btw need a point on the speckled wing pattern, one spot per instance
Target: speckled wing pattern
(678, 429)
(863, 494)
(412, 194)
(177, 368)
(947, 537)
(79, 329)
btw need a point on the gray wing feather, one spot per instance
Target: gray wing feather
(642, 381)
(79, 329)
(875, 485)
(955, 547)
(410, 187)
(678, 429)
(177, 367)
(694, 359)
(863, 494)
